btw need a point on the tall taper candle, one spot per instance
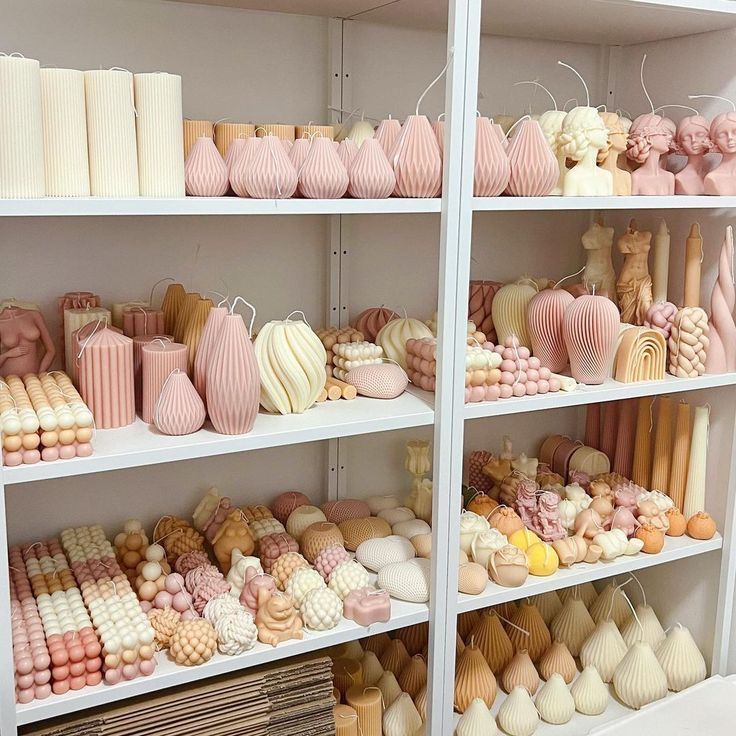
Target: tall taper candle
(680, 455)
(624, 458)
(662, 447)
(593, 426)
(158, 359)
(609, 429)
(642, 466)
(660, 269)
(695, 488)
(367, 704)
(693, 259)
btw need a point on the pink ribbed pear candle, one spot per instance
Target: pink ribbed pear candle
(534, 170)
(609, 429)
(179, 409)
(662, 456)
(242, 164)
(347, 150)
(387, 132)
(416, 159)
(212, 327)
(205, 173)
(593, 426)
(438, 127)
(371, 175)
(233, 381)
(270, 174)
(492, 168)
(590, 328)
(545, 315)
(158, 360)
(323, 175)
(138, 343)
(106, 378)
(233, 153)
(624, 457)
(142, 321)
(298, 155)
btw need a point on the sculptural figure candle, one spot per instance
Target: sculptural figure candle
(692, 140)
(608, 157)
(599, 276)
(21, 331)
(634, 286)
(722, 180)
(582, 138)
(649, 141)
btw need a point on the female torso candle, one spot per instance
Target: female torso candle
(74, 319)
(158, 360)
(634, 286)
(106, 377)
(21, 331)
(367, 704)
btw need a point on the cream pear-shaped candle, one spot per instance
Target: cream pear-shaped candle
(517, 715)
(641, 470)
(610, 604)
(389, 687)
(639, 678)
(661, 265)
(589, 693)
(603, 649)
(680, 456)
(476, 721)
(644, 627)
(681, 660)
(662, 456)
(401, 717)
(372, 670)
(554, 701)
(695, 486)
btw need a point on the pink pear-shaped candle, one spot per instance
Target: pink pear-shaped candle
(348, 150)
(416, 160)
(386, 133)
(545, 316)
(241, 164)
(371, 175)
(438, 126)
(270, 174)
(323, 175)
(205, 173)
(534, 170)
(179, 409)
(492, 168)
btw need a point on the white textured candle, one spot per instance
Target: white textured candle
(695, 488)
(113, 159)
(21, 128)
(160, 134)
(64, 133)
(660, 272)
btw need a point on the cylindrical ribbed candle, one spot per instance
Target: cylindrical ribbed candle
(160, 134)
(325, 131)
(695, 487)
(346, 673)
(346, 720)
(21, 128)
(139, 320)
(285, 132)
(641, 470)
(73, 320)
(191, 298)
(367, 704)
(662, 456)
(64, 133)
(158, 359)
(118, 308)
(172, 302)
(194, 328)
(212, 327)
(194, 129)
(226, 133)
(593, 426)
(106, 378)
(680, 455)
(138, 343)
(609, 429)
(624, 457)
(113, 157)
(72, 300)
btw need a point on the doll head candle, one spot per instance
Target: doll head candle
(582, 137)
(722, 180)
(650, 138)
(608, 157)
(692, 139)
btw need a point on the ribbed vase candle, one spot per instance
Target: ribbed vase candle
(158, 360)
(492, 168)
(194, 328)
(590, 328)
(74, 319)
(347, 151)
(624, 458)
(66, 161)
(534, 170)
(696, 469)
(662, 456)
(593, 426)
(142, 321)
(609, 429)
(172, 302)
(227, 133)
(242, 164)
(298, 155)
(642, 466)
(323, 175)
(371, 175)
(680, 455)
(386, 134)
(270, 174)
(179, 409)
(233, 153)
(232, 381)
(416, 160)
(194, 129)
(189, 304)
(138, 343)
(545, 315)
(205, 173)
(210, 332)
(106, 378)
(367, 704)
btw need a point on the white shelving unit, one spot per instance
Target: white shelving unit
(288, 60)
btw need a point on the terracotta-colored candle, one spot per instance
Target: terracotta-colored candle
(609, 429)
(693, 259)
(172, 302)
(641, 470)
(367, 704)
(662, 447)
(106, 378)
(185, 314)
(142, 320)
(660, 269)
(624, 458)
(158, 360)
(73, 320)
(680, 455)
(194, 328)
(346, 673)
(346, 720)
(593, 426)
(138, 342)
(695, 488)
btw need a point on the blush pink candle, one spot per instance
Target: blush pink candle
(158, 360)
(138, 342)
(142, 321)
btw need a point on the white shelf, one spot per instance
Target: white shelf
(142, 206)
(610, 390)
(551, 204)
(675, 548)
(139, 444)
(168, 674)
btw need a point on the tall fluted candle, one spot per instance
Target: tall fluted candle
(609, 429)
(367, 704)
(593, 426)
(140, 320)
(642, 466)
(21, 128)
(138, 342)
(73, 320)
(680, 456)
(210, 333)
(346, 720)
(662, 447)
(160, 134)
(158, 360)
(172, 302)
(624, 458)
(111, 139)
(186, 311)
(65, 155)
(106, 378)
(194, 328)
(194, 129)
(695, 487)
(661, 267)
(693, 260)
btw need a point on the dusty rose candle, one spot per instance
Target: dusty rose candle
(138, 342)
(642, 465)
(680, 455)
(158, 360)
(609, 429)
(142, 320)
(624, 459)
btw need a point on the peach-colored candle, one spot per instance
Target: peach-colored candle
(346, 720)
(73, 320)
(593, 426)
(138, 343)
(660, 270)
(140, 320)
(680, 455)
(662, 447)
(158, 360)
(693, 259)
(641, 470)
(73, 300)
(609, 429)
(367, 704)
(346, 673)
(106, 378)
(624, 458)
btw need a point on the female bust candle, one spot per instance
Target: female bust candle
(20, 332)
(722, 180)
(649, 141)
(693, 140)
(583, 136)
(608, 156)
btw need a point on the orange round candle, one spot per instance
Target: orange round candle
(680, 455)
(367, 704)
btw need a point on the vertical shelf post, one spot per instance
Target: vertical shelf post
(8, 725)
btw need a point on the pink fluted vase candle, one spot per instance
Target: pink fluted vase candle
(416, 160)
(609, 429)
(205, 173)
(347, 150)
(270, 174)
(545, 315)
(623, 461)
(179, 409)
(242, 164)
(592, 436)
(212, 328)
(387, 132)
(106, 378)
(158, 359)
(534, 170)
(721, 354)
(323, 175)
(370, 174)
(438, 126)
(298, 155)
(492, 168)
(590, 328)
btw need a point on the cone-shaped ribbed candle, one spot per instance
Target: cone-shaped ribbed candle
(270, 174)
(681, 660)
(386, 134)
(179, 409)
(593, 426)
(520, 671)
(641, 470)
(545, 314)
(548, 604)
(473, 679)
(416, 161)
(347, 151)
(529, 631)
(557, 659)
(414, 676)
(647, 628)
(517, 715)
(191, 299)
(415, 638)
(639, 678)
(695, 488)
(586, 592)
(367, 704)
(212, 326)
(371, 175)
(572, 625)
(158, 360)
(298, 155)
(395, 657)
(610, 603)
(680, 456)
(492, 168)
(401, 717)
(420, 700)
(466, 622)
(205, 173)
(603, 649)
(323, 174)
(662, 456)
(609, 429)
(476, 721)
(372, 669)
(389, 687)
(172, 303)
(194, 329)
(589, 693)
(554, 702)
(493, 641)
(241, 165)
(376, 643)
(534, 170)
(623, 460)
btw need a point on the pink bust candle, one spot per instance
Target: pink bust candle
(158, 360)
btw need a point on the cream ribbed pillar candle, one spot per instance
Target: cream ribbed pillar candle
(695, 488)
